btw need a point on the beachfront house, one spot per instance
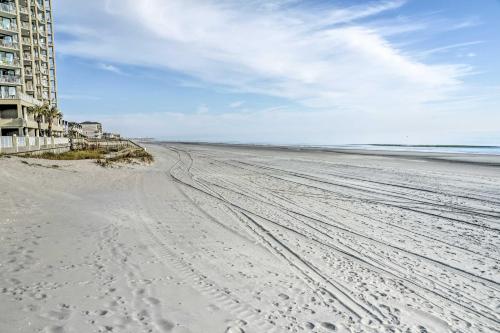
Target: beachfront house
(92, 129)
(111, 136)
(75, 130)
(27, 67)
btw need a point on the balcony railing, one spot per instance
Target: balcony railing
(23, 97)
(11, 63)
(8, 8)
(25, 25)
(24, 10)
(9, 45)
(7, 96)
(29, 99)
(11, 27)
(10, 79)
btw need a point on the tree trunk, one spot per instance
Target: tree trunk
(39, 122)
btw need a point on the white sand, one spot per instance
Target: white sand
(226, 239)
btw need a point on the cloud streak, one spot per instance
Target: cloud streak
(110, 68)
(283, 50)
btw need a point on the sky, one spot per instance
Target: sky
(283, 71)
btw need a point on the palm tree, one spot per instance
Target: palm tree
(38, 111)
(52, 113)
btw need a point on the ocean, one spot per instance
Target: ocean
(483, 150)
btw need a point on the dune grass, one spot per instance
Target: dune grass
(100, 155)
(92, 154)
(129, 156)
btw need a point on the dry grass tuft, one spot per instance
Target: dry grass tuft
(129, 156)
(92, 154)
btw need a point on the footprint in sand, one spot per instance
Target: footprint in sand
(164, 325)
(283, 297)
(62, 313)
(236, 327)
(309, 326)
(153, 301)
(55, 329)
(329, 326)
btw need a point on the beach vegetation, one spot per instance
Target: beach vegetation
(38, 112)
(128, 156)
(86, 154)
(50, 113)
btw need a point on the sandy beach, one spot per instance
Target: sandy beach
(214, 238)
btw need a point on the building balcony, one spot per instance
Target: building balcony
(40, 44)
(16, 122)
(38, 5)
(8, 29)
(10, 79)
(24, 98)
(4, 63)
(8, 9)
(4, 45)
(24, 10)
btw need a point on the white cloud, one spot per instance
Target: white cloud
(110, 68)
(236, 104)
(202, 109)
(447, 48)
(284, 52)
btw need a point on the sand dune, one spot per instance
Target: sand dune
(242, 239)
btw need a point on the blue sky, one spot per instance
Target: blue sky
(283, 71)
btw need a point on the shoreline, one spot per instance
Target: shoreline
(452, 157)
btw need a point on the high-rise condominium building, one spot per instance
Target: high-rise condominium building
(27, 65)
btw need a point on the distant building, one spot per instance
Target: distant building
(75, 130)
(91, 129)
(111, 136)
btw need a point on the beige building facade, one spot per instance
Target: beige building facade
(27, 66)
(92, 129)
